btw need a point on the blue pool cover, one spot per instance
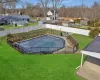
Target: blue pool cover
(43, 44)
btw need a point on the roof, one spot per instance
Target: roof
(94, 46)
(14, 17)
(19, 16)
(49, 13)
(3, 17)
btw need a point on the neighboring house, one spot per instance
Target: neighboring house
(51, 16)
(3, 20)
(18, 19)
(84, 22)
(67, 18)
(68, 23)
(15, 19)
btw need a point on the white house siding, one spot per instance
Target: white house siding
(93, 54)
(49, 13)
(48, 18)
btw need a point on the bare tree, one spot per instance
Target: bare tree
(10, 4)
(37, 10)
(44, 4)
(55, 5)
(1, 6)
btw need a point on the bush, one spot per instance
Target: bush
(94, 23)
(77, 21)
(9, 35)
(94, 32)
(97, 24)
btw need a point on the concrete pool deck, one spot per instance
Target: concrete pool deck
(67, 49)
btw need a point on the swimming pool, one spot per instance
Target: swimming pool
(42, 44)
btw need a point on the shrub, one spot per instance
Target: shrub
(9, 35)
(77, 21)
(97, 24)
(93, 23)
(94, 32)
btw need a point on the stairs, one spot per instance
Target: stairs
(90, 71)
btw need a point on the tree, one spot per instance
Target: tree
(1, 6)
(10, 4)
(95, 11)
(44, 4)
(62, 11)
(94, 32)
(55, 5)
(37, 10)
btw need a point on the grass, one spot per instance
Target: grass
(82, 40)
(84, 27)
(9, 26)
(32, 24)
(16, 66)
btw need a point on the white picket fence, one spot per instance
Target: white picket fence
(56, 27)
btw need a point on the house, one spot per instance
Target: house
(67, 18)
(84, 22)
(3, 20)
(68, 23)
(51, 15)
(90, 70)
(18, 19)
(14, 19)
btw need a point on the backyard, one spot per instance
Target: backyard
(16, 66)
(9, 26)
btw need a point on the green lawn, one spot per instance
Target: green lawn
(84, 27)
(32, 24)
(83, 40)
(16, 66)
(9, 26)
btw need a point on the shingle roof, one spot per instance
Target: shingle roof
(19, 16)
(14, 17)
(94, 46)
